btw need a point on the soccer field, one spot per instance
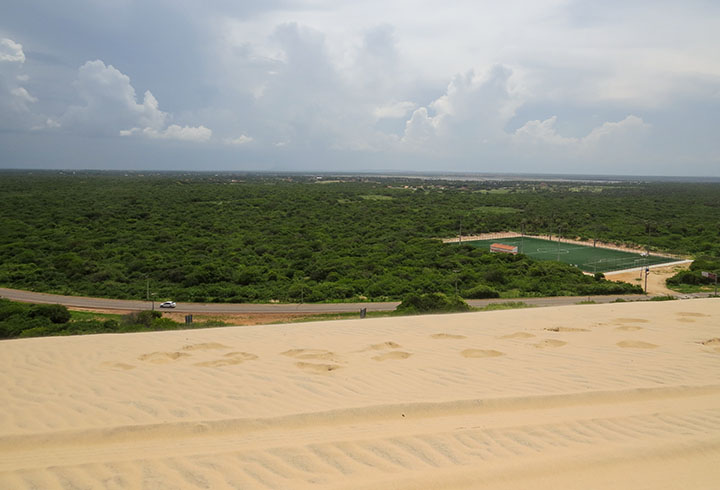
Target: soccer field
(588, 259)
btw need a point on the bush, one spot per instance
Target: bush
(481, 292)
(693, 278)
(144, 318)
(432, 303)
(663, 298)
(56, 313)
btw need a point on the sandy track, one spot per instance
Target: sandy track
(602, 396)
(655, 281)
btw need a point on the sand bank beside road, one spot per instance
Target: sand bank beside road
(590, 396)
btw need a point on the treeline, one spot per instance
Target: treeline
(241, 238)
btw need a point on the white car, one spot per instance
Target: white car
(167, 304)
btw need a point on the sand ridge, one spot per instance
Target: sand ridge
(514, 399)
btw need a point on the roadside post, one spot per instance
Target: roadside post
(363, 312)
(647, 273)
(713, 277)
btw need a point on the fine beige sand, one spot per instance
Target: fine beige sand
(621, 396)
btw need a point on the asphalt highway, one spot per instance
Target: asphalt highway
(220, 308)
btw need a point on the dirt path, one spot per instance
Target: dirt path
(228, 318)
(656, 279)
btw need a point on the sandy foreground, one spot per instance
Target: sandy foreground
(621, 396)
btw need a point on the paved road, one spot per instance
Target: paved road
(130, 305)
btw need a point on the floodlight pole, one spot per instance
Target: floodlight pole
(559, 231)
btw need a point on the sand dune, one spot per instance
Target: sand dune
(621, 396)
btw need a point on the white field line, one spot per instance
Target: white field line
(655, 266)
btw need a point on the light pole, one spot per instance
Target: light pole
(647, 273)
(152, 295)
(559, 231)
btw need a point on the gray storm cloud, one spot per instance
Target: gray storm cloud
(528, 86)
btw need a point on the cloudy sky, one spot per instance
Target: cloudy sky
(551, 86)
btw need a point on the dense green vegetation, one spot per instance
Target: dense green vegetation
(692, 280)
(30, 320)
(231, 238)
(432, 303)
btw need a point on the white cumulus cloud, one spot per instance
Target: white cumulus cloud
(199, 134)
(394, 110)
(545, 133)
(111, 107)
(542, 132)
(23, 94)
(240, 140)
(110, 103)
(474, 108)
(11, 51)
(15, 99)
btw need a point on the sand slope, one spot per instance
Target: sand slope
(592, 396)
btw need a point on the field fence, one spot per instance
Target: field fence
(606, 265)
(599, 244)
(483, 236)
(587, 243)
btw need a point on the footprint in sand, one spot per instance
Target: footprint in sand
(162, 357)
(628, 328)
(319, 354)
(630, 320)
(385, 345)
(478, 353)
(712, 343)
(317, 368)
(518, 335)
(205, 346)
(550, 343)
(566, 329)
(635, 344)
(118, 365)
(690, 313)
(685, 320)
(395, 355)
(229, 359)
(447, 336)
